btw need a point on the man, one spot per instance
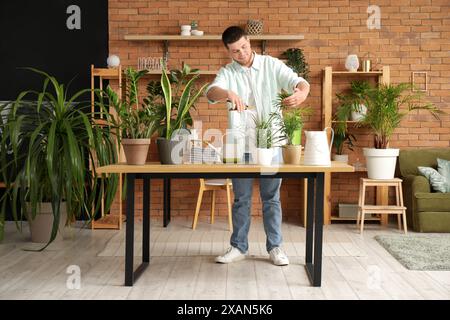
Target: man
(254, 80)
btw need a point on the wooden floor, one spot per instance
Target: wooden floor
(182, 266)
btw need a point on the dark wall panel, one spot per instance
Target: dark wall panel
(35, 34)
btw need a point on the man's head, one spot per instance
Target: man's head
(238, 45)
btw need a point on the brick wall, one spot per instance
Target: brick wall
(414, 36)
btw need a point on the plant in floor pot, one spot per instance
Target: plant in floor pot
(47, 141)
(135, 124)
(383, 117)
(171, 101)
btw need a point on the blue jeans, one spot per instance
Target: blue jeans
(269, 189)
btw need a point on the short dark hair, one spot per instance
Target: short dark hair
(232, 34)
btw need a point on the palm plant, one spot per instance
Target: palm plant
(47, 141)
(383, 110)
(292, 124)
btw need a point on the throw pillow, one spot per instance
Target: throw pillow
(444, 168)
(437, 181)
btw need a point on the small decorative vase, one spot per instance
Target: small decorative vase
(254, 27)
(113, 61)
(352, 63)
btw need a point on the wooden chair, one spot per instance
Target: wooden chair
(399, 209)
(107, 221)
(213, 185)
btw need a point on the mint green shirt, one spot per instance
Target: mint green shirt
(261, 82)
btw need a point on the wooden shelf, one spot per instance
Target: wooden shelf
(213, 37)
(358, 73)
(161, 37)
(383, 76)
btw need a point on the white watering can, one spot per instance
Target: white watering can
(317, 151)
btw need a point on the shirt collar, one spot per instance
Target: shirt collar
(255, 65)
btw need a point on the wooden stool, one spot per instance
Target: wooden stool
(213, 185)
(398, 209)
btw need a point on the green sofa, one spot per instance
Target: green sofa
(427, 211)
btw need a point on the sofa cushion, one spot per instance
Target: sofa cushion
(409, 160)
(437, 180)
(437, 202)
(444, 168)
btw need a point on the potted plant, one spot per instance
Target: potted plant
(171, 108)
(342, 138)
(136, 125)
(268, 136)
(297, 62)
(291, 127)
(383, 117)
(47, 141)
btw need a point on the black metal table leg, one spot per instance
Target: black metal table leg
(146, 222)
(130, 275)
(318, 230)
(129, 237)
(169, 185)
(310, 221)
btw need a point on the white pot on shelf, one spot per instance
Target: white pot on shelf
(340, 157)
(380, 163)
(359, 113)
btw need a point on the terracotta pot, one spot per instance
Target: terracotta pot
(136, 150)
(292, 154)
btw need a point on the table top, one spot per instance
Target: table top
(156, 167)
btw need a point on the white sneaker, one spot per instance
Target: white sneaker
(278, 257)
(231, 255)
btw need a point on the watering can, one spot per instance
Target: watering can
(317, 150)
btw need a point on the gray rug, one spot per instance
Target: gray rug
(419, 251)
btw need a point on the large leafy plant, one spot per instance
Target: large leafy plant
(171, 99)
(384, 109)
(132, 121)
(47, 141)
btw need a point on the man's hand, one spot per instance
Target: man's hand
(296, 98)
(235, 100)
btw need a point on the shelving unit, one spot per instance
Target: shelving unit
(166, 38)
(383, 77)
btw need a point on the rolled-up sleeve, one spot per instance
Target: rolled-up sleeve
(287, 78)
(220, 81)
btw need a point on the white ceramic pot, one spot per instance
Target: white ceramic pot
(264, 156)
(381, 162)
(340, 157)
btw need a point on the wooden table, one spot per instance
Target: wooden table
(315, 194)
